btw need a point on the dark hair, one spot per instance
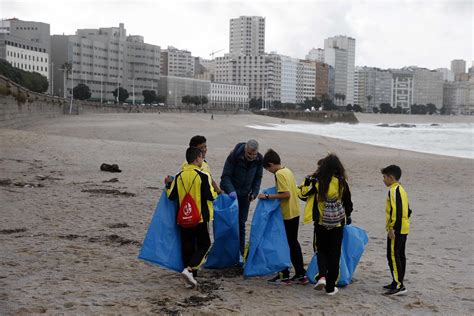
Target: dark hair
(271, 156)
(197, 140)
(392, 170)
(328, 167)
(192, 153)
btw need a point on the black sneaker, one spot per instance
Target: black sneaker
(299, 279)
(278, 280)
(391, 286)
(395, 292)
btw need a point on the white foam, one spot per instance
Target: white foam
(446, 139)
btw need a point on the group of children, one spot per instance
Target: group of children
(328, 204)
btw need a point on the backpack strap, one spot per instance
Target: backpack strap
(184, 187)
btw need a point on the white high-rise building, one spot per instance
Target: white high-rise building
(316, 54)
(337, 58)
(247, 36)
(334, 49)
(402, 89)
(458, 66)
(289, 68)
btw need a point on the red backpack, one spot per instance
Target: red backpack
(188, 213)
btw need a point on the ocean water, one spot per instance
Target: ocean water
(451, 139)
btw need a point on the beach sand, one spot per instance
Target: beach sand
(65, 250)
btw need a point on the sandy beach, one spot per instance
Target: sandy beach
(70, 239)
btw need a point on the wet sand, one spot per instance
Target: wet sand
(70, 239)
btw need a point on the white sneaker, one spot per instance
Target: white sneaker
(189, 278)
(321, 284)
(333, 292)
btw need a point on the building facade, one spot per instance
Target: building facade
(334, 50)
(448, 75)
(177, 63)
(105, 59)
(402, 89)
(337, 58)
(243, 70)
(458, 66)
(227, 95)
(305, 81)
(289, 68)
(26, 45)
(427, 87)
(175, 88)
(247, 36)
(316, 54)
(458, 97)
(322, 80)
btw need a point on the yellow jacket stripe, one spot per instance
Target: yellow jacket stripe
(397, 210)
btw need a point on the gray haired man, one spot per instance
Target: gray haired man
(241, 177)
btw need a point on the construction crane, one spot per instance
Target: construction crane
(215, 52)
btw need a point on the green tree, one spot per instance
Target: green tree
(149, 96)
(369, 97)
(357, 108)
(204, 100)
(431, 108)
(349, 108)
(255, 103)
(375, 109)
(30, 80)
(186, 99)
(81, 92)
(123, 94)
(160, 98)
(343, 98)
(385, 108)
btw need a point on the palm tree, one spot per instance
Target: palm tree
(369, 97)
(343, 98)
(66, 68)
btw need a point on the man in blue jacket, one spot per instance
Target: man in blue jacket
(242, 176)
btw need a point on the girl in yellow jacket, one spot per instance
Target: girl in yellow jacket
(329, 206)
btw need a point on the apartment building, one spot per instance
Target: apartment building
(174, 88)
(315, 54)
(305, 81)
(227, 95)
(427, 87)
(105, 59)
(339, 52)
(402, 89)
(177, 63)
(247, 36)
(26, 45)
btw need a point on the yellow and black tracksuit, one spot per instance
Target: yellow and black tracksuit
(195, 241)
(397, 215)
(327, 242)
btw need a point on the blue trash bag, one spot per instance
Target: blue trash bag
(354, 240)
(162, 244)
(225, 251)
(268, 247)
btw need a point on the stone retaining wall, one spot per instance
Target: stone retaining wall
(319, 117)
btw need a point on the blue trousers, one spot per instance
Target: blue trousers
(244, 205)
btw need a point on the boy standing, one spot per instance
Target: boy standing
(290, 208)
(397, 214)
(195, 241)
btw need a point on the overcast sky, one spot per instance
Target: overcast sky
(388, 33)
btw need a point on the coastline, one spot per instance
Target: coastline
(66, 261)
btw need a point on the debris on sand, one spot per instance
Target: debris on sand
(118, 225)
(108, 191)
(110, 168)
(111, 180)
(114, 239)
(12, 231)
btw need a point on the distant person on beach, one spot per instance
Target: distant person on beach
(195, 241)
(200, 142)
(290, 209)
(397, 215)
(241, 177)
(327, 194)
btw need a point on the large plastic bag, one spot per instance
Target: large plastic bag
(162, 244)
(354, 240)
(225, 250)
(268, 247)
